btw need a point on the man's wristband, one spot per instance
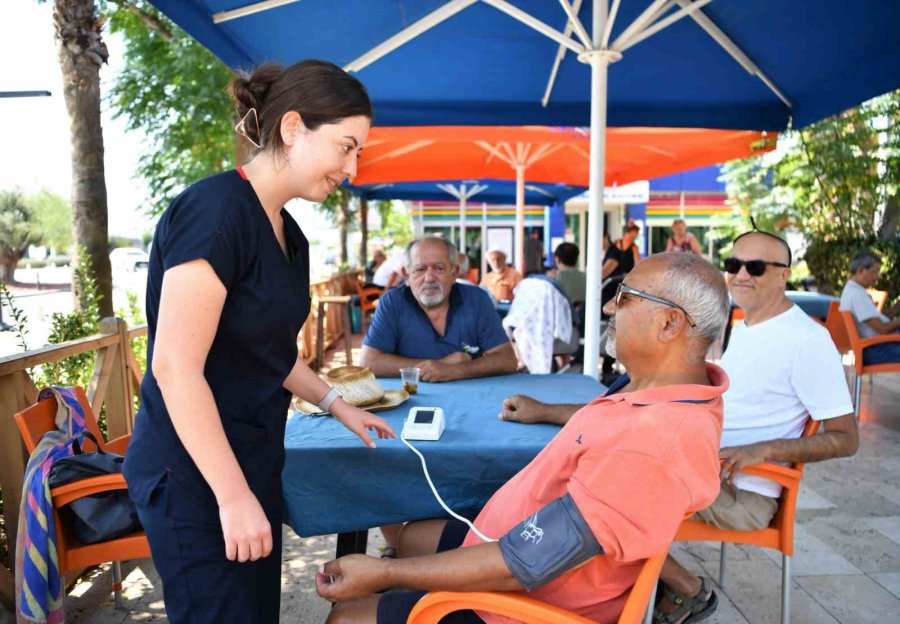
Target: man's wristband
(332, 396)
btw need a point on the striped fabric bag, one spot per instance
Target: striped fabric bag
(39, 586)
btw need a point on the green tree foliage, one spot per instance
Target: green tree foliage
(18, 230)
(54, 214)
(173, 91)
(396, 225)
(835, 182)
(342, 210)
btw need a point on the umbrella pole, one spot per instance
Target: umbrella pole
(599, 61)
(520, 218)
(462, 220)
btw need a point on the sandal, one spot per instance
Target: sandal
(696, 608)
(388, 552)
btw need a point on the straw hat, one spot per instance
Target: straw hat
(357, 384)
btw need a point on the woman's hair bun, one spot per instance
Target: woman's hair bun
(248, 89)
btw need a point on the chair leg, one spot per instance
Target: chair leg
(648, 617)
(857, 395)
(722, 566)
(785, 589)
(117, 584)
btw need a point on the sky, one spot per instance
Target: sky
(34, 132)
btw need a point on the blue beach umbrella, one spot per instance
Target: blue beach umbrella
(735, 64)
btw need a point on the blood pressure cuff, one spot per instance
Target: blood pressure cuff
(544, 546)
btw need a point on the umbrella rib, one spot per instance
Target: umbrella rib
(495, 151)
(736, 53)
(607, 30)
(688, 8)
(538, 25)
(544, 152)
(249, 9)
(576, 23)
(650, 13)
(400, 151)
(560, 54)
(408, 34)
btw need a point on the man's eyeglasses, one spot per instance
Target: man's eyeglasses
(438, 268)
(625, 289)
(754, 267)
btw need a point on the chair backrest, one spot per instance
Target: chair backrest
(33, 422)
(639, 597)
(737, 315)
(787, 504)
(879, 298)
(834, 323)
(853, 339)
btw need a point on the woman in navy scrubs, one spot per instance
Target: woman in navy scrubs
(227, 293)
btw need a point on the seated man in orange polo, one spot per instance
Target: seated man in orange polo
(502, 278)
(574, 527)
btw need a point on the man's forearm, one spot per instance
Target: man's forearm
(500, 362)
(478, 568)
(828, 445)
(559, 413)
(386, 364)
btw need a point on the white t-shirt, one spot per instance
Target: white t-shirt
(781, 370)
(383, 273)
(855, 299)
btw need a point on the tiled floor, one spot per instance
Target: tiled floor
(846, 566)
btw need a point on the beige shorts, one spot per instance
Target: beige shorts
(739, 510)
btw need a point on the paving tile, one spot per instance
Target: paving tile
(810, 499)
(812, 556)
(889, 527)
(727, 612)
(853, 599)
(754, 587)
(864, 547)
(889, 580)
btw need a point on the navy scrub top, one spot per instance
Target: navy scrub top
(221, 220)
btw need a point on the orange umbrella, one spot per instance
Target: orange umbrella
(433, 153)
(541, 154)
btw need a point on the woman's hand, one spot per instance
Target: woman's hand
(358, 421)
(248, 534)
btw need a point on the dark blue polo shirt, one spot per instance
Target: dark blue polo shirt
(401, 327)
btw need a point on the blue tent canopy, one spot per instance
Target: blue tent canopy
(496, 192)
(482, 67)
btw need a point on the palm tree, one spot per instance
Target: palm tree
(81, 54)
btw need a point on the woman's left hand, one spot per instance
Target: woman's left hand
(358, 421)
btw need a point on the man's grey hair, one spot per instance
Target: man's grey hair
(864, 259)
(451, 249)
(699, 288)
(463, 263)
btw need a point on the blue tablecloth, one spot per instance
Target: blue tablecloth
(814, 304)
(334, 484)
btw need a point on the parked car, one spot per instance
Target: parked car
(128, 259)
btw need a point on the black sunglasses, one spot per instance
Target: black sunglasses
(754, 267)
(625, 289)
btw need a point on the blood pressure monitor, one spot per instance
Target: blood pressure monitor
(424, 423)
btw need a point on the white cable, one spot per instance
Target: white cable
(438, 496)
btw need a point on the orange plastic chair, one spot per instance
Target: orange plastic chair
(435, 605)
(858, 344)
(879, 298)
(834, 323)
(737, 315)
(33, 423)
(368, 301)
(779, 535)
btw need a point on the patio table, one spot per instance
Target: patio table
(334, 484)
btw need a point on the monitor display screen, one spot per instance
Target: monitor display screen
(424, 417)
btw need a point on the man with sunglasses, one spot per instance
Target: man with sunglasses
(783, 369)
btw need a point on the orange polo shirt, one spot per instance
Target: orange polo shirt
(634, 463)
(502, 283)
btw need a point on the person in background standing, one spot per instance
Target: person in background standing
(681, 239)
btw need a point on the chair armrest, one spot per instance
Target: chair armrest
(784, 475)
(119, 445)
(370, 292)
(65, 494)
(874, 340)
(435, 605)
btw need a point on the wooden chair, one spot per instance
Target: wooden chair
(368, 301)
(434, 606)
(858, 345)
(879, 298)
(33, 423)
(779, 535)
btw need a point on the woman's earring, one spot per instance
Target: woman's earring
(241, 127)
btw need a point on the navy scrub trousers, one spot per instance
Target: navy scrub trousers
(221, 221)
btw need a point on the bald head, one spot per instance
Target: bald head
(757, 293)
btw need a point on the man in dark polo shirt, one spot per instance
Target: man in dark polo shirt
(449, 330)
